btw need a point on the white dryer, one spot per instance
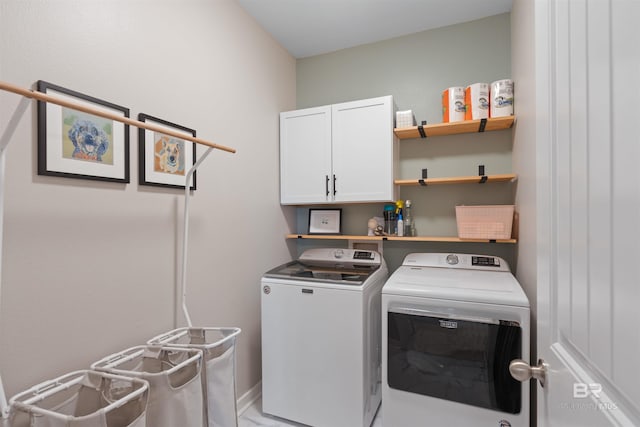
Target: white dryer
(321, 338)
(451, 325)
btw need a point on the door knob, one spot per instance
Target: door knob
(522, 371)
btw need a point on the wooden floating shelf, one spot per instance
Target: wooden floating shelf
(507, 177)
(396, 238)
(467, 126)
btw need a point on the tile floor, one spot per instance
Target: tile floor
(253, 417)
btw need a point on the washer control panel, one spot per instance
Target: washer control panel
(487, 261)
(340, 253)
(363, 255)
(347, 257)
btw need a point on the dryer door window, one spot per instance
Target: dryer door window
(464, 361)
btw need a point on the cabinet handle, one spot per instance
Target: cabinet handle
(326, 184)
(334, 184)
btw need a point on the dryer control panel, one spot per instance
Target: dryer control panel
(457, 261)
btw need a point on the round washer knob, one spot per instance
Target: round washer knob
(452, 259)
(338, 253)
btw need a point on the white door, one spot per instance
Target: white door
(364, 150)
(588, 211)
(305, 156)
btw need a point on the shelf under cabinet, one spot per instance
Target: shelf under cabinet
(396, 238)
(467, 126)
(476, 179)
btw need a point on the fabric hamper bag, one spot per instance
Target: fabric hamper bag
(174, 377)
(218, 371)
(82, 399)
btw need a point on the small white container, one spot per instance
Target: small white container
(453, 104)
(502, 98)
(476, 101)
(405, 119)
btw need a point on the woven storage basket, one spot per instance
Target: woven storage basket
(485, 222)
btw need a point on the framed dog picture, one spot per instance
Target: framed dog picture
(75, 144)
(165, 160)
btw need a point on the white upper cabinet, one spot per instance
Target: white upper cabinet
(339, 154)
(305, 156)
(364, 150)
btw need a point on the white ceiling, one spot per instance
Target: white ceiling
(311, 27)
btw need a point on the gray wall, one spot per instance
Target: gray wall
(524, 149)
(415, 69)
(90, 268)
(524, 162)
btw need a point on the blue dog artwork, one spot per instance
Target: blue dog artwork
(90, 138)
(169, 155)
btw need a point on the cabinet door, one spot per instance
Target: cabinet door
(305, 156)
(364, 150)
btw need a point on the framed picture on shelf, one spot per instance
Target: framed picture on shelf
(165, 160)
(325, 221)
(75, 144)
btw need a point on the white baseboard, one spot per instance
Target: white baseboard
(247, 399)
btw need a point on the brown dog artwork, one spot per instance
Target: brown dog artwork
(169, 155)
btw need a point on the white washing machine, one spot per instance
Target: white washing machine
(321, 338)
(451, 324)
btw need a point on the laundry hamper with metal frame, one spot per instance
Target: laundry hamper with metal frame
(82, 399)
(219, 369)
(174, 377)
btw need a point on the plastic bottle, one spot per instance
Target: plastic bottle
(400, 224)
(409, 229)
(389, 219)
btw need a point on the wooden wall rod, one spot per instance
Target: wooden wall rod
(28, 93)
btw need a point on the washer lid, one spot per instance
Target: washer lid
(330, 265)
(296, 270)
(462, 283)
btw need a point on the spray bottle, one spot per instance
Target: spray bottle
(400, 222)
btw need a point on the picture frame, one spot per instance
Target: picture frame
(164, 160)
(325, 221)
(75, 144)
